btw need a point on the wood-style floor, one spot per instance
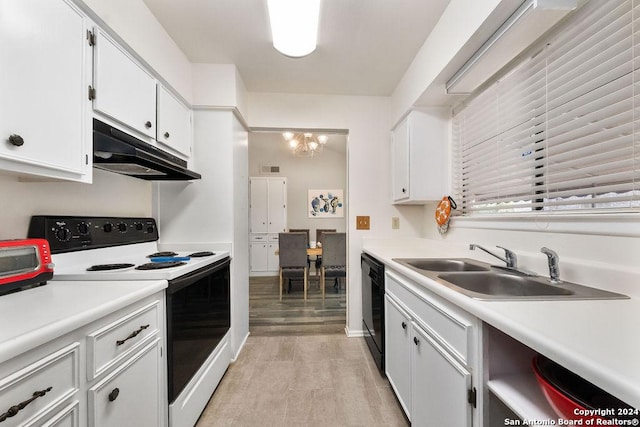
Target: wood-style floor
(293, 315)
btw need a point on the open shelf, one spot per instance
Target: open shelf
(522, 395)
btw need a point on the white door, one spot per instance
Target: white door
(125, 91)
(258, 255)
(273, 259)
(277, 205)
(439, 385)
(398, 351)
(44, 85)
(258, 189)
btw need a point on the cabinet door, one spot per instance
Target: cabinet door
(259, 204)
(439, 385)
(124, 90)
(400, 159)
(259, 259)
(398, 352)
(277, 205)
(130, 395)
(44, 101)
(273, 260)
(174, 123)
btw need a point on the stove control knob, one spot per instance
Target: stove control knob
(108, 227)
(138, 226)
(63, 234)
(122, 227)
(83, 228)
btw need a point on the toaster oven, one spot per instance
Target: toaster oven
(24, 263)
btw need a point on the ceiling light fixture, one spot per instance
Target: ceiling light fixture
(294, 26)
(305, 144)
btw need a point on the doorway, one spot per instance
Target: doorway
(271, 156)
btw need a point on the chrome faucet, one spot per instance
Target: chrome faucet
(510, 258)
(554, 268)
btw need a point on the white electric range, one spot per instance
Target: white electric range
(86, 249)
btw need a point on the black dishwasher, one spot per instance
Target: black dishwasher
(373, 307)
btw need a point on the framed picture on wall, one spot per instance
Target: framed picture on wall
(325, 204)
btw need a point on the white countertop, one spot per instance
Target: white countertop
(36, 316)
(596, 339)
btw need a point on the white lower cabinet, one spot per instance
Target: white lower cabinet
(131, 394)
(432, 356)
(264, 257)
(59, 383)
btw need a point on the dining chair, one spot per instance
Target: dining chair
(293, 258)
(303, 230)
(334, 258)
(319, 232)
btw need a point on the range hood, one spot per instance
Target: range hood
(119, 152)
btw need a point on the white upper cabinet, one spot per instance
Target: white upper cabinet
(268, 204)
(419, 168)
(124, 90)
(45, 127)
(174, 123)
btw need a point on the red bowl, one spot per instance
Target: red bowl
(567, 405)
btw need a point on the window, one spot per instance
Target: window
(559, 131)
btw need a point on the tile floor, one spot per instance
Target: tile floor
(308, 380)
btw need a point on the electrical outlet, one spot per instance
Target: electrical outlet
(362, 223)
(395, 223)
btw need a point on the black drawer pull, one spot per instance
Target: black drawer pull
(167, 135)
(114, 394)
(13, 411)
(416, 341)
(404, 325)
(133, 335)
(148, 125)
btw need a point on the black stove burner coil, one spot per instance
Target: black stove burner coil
(108, 267)
(162, 254)
(160, 265)
(201, 254)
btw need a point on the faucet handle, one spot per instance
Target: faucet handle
(510, 256)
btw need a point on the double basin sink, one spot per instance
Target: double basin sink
(482, 281)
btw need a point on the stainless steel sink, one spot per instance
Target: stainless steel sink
(443, 264)
(494, 285)
(482, 281)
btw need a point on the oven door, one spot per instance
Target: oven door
(198, 317)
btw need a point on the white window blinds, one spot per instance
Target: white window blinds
(560, 130)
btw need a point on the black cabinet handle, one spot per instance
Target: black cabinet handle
(13, 411)
(404, 190)
(132, 335)
(16, 140)
(148, 125)
(404, 325)
(416, 341)
(167, 135)
(114, 394)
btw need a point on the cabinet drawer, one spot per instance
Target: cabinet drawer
(273, 238)
(259, 238)
(131, 395)
(54, 378)
(69, 416)
(447, 324)
(110, 344)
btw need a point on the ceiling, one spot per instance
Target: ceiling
(364, 46)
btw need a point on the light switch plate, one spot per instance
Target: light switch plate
(362, 222)
(395, 223)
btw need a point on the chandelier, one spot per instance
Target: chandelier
(305, 144)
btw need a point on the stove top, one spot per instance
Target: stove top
(113, 248)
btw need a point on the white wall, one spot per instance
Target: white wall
(109, 195)
(368, 121)
(219, 85)
(328, 170)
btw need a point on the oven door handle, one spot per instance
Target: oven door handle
(181, 282)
